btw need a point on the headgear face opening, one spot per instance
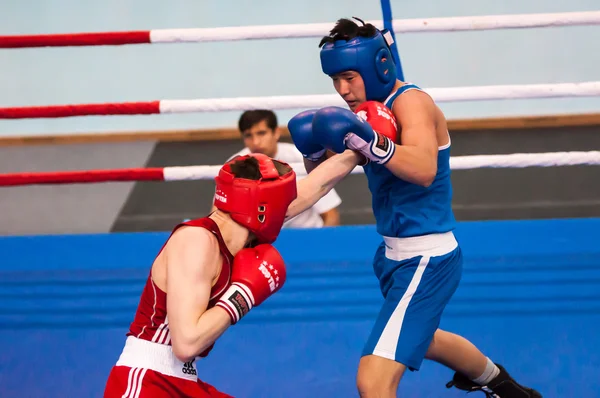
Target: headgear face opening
(259, 205)
(369, 56)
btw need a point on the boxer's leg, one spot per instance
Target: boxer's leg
(474, 371)
(416, 292)
(212, 391)
(116, 380)
(457, 353)
(378, 377)
(124, 382)
(502, 385)
(158, 385)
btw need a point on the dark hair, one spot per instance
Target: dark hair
(249, 169)
(250, 118)
(346, 29)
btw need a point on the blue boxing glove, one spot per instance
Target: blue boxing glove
(300, 127)
(339, 129)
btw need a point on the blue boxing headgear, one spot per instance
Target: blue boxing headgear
(369, 56)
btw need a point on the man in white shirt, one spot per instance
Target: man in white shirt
(260, 134)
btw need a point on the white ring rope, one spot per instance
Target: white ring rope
(453, 24)
(452, 94)
(515, 160)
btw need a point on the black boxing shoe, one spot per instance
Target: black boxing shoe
(502, 386)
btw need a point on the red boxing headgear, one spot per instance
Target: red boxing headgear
(259, 205)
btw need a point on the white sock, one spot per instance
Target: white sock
(490, 372)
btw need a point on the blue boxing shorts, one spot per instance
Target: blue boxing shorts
(417, 276)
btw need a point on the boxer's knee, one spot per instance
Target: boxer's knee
(378, 377)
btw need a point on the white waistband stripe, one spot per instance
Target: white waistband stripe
(145, 354)
(399, 249)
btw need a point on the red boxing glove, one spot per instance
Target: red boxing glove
(380, 117)
(257, 273)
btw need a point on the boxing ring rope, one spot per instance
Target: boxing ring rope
(453, 24)
(452, 94)
(191, 173)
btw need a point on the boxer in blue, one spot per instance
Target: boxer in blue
(404, 141)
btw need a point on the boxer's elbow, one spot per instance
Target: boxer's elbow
(183, 356)
(183, 350)
(423, 177)
(428, 170)
(186, 348)
(426, 178)
(424, 172)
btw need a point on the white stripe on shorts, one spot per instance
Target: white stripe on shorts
(134, 383)
(388, 341)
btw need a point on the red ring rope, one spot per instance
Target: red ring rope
(85, 176)
(76, 39)
(195, 35)
(125, 108)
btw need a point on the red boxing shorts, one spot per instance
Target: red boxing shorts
(146, 369)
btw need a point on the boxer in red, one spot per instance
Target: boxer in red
(213, 270)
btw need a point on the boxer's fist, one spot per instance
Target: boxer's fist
(379, 143)
(257, 273)
(337, 129)
(332, 124)
(300, 127)
(380, 117)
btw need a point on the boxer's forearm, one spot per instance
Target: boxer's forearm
(209, 327)
(321, 180)
(414, 164)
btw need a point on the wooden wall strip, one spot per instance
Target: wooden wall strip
(462, 125)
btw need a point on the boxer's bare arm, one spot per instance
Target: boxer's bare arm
(415, 160)
(321, 180)
(193, 262)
